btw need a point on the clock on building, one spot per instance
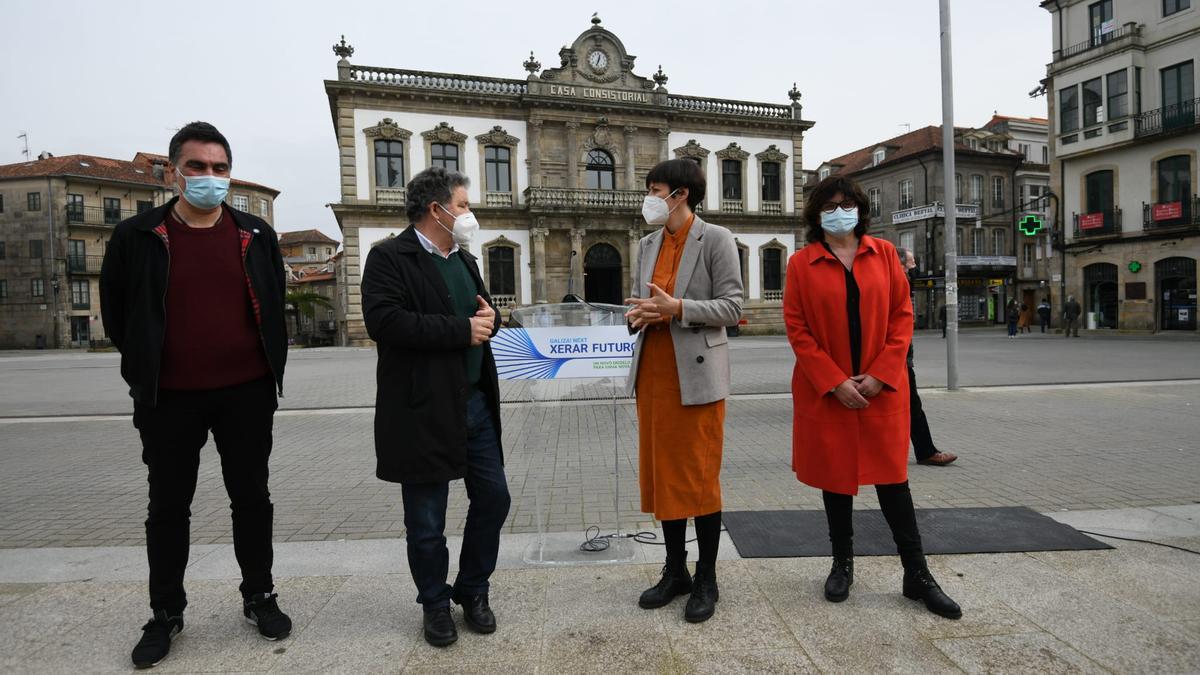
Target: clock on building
(598, 60)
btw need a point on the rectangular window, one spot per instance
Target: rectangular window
(1023, 148)
(1178, 94)
(997, 193)
(1068, 109)
(444, 155)
(33, 201)
(731, 179)
(1172, 6)
(80, 294)
(74, 208)
(906, 193)
(144, 206)
(35, 248)
(112, 210)
(958, 188)
(998, 242)
(3, 289)
(976, 189)
(498, 166)
(76, 256)
(1027, 252)
(770, 182)
(264, 207)
(1093, 102)
(241, 203)
(501, 270)
(977, 242)
(389, 164)
(1045, 154)
(772, 261)
(877, 157)
(1100, 17)
(906, 240)
(3, 252)
(1118, 94)
(36, 288)
(874, 196)
(1, 203)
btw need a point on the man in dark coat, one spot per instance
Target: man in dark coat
(192, 294)
(1072, 311)
(921, 437)
(437, 404)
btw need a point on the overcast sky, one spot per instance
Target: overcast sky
(115, 77)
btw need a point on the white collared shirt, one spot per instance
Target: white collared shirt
(428, 245)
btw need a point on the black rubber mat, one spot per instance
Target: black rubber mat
(800, 534)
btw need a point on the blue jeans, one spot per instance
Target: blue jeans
(425, 518)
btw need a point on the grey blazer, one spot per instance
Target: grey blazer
(710, 282)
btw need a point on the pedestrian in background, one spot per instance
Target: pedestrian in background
(1043, 311)
(1011, 316)
(1072, 311)
(849, 320)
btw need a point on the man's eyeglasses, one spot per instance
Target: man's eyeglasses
(847, 204)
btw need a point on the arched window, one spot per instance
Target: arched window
(444, 155)
(498, 168)
(600, 171)
(389, 164)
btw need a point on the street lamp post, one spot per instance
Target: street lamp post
(951, 200)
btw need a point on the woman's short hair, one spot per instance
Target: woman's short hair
(824, 192)
(677, 174)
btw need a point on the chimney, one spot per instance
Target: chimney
(157, 169)
(45, 155)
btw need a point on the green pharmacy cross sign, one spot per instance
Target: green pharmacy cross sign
(1135, 266)
(1030, 225)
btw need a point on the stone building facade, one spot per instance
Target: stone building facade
(56, 217)
(557, 163)
(1125, 138)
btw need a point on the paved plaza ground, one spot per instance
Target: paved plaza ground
(1102, 433)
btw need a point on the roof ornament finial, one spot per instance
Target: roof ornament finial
(342, 49)
(595, 18)
(660, 78)
(532, 65)
(794, 93)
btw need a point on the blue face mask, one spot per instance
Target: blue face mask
(205, 192)
(840, 221)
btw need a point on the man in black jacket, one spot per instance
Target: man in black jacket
(192, 294)
(437, 405)
(922, 439)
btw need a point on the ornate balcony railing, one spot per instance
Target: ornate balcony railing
(84, 264)
(1099, 40)
(732, 206)
(504, 301)
(1181, 115)
(1179, 213)
(389, 196)
(441, 81)
(96, 215)
(624, 200)
(772, 208)
(1097, 224)
(716, 106)
(773, 296)
(498, 199)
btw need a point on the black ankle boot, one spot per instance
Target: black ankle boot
(675, 581)
(841, 578)
(705, 594)
(920, 585)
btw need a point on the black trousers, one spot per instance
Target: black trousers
(896, 503)
(240, 419)
(922, 439)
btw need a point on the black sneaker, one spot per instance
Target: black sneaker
(156, 639)
(262, 611)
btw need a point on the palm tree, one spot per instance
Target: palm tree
(304, 302)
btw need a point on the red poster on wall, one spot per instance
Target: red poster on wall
(1091, 221)
(1167, 211)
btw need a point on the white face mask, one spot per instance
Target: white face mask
(464, 229)
(655, 209)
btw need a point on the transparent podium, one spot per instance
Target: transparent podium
(571, 353)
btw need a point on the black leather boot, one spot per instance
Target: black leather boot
(705, 594)
(840, 579)
(920, 585)
(439, 627)
(675, 582)
(477, 613)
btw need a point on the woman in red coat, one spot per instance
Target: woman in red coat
(849, 320)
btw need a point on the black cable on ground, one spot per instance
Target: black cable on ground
(1141, 541)
(594, 543)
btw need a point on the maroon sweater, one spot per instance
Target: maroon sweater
(212, 339)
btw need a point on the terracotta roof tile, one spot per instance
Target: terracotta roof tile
(140, 170)
(305, 237)
(901, 147)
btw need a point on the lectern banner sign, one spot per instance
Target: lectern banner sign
(563, 353)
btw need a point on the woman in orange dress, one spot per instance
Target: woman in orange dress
(689, 291)
(850, 320)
